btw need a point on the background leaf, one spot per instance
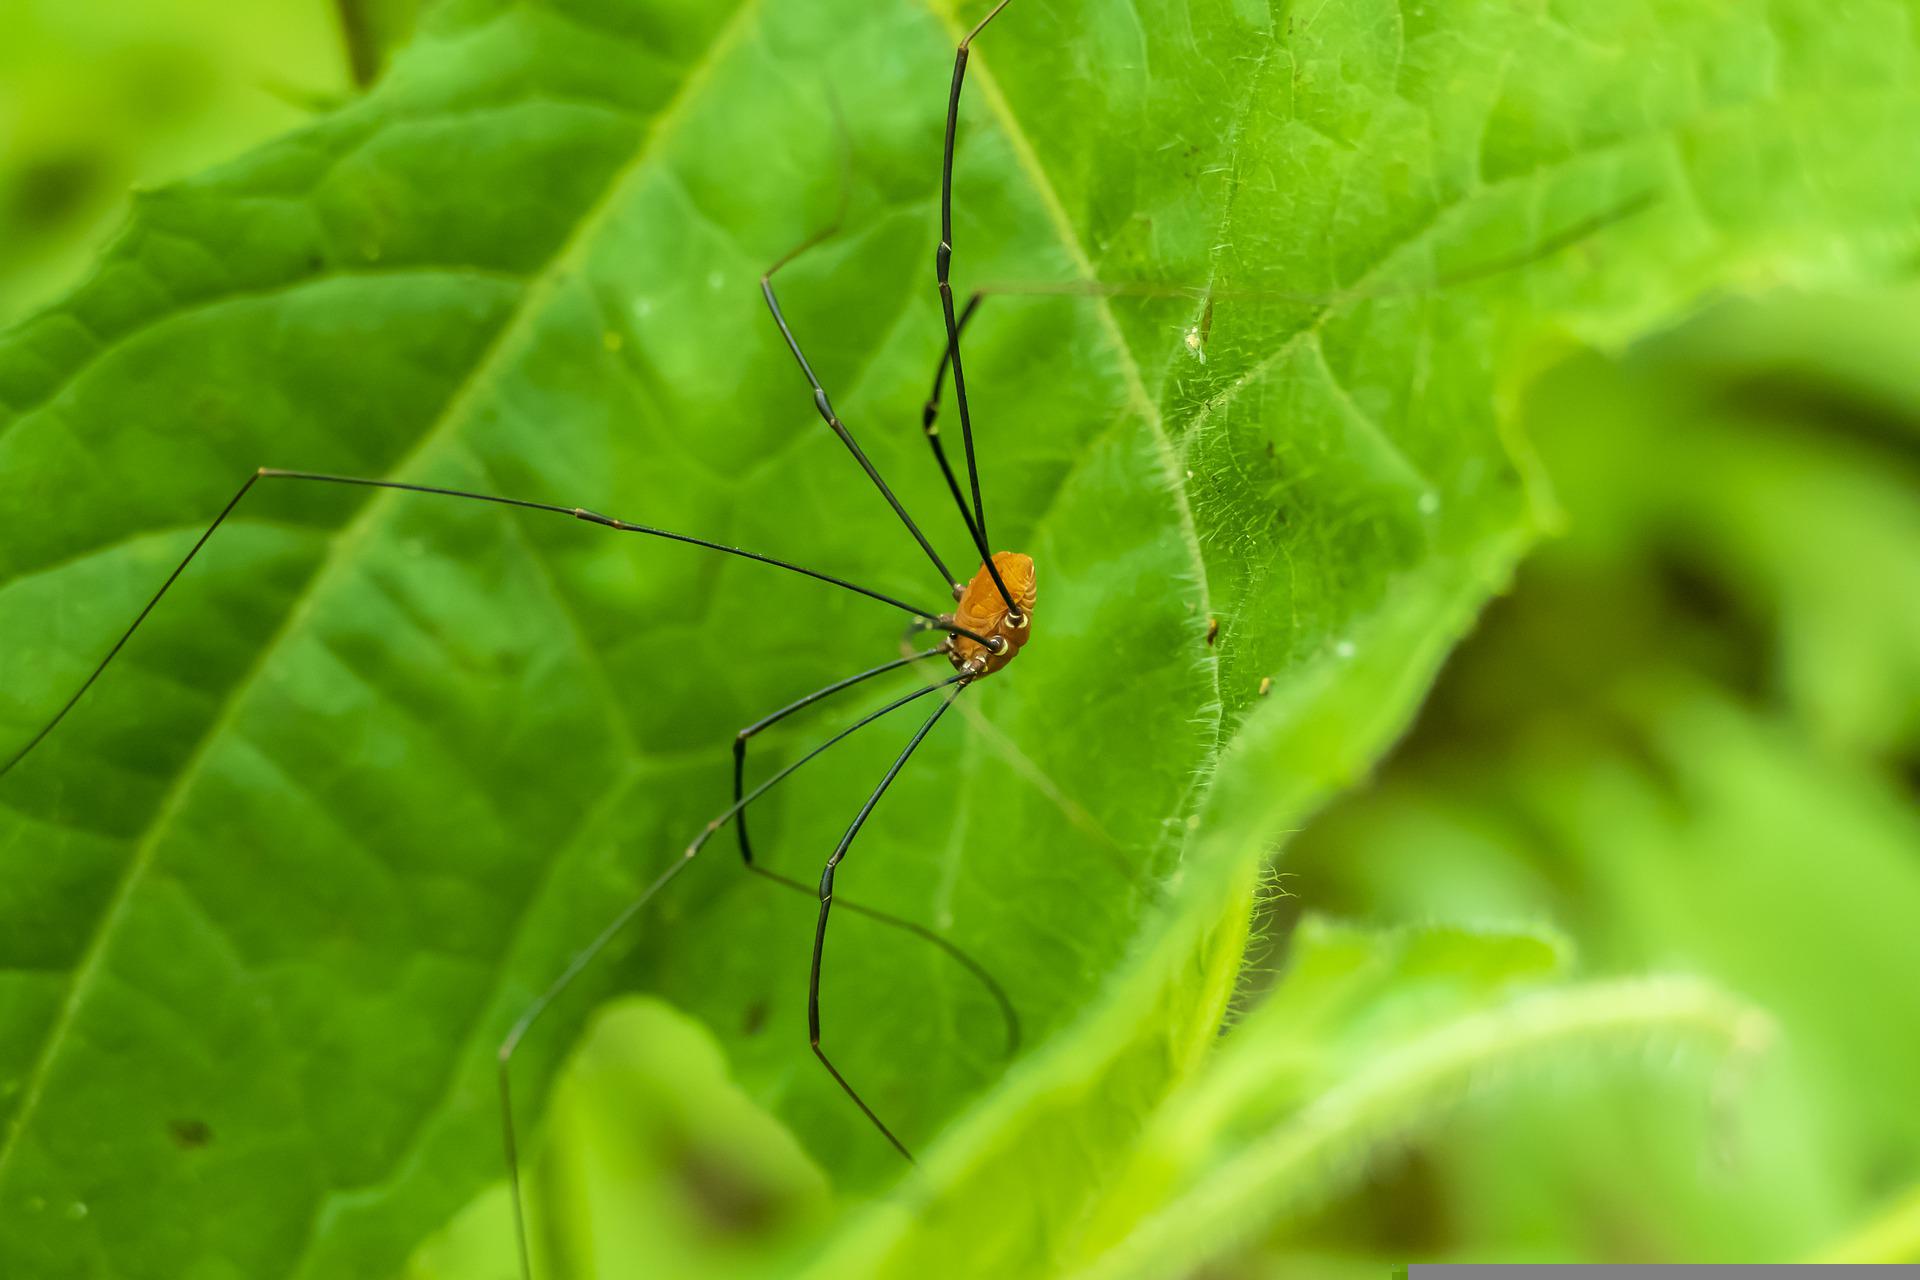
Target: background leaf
(694, 1180)
(1688, 739)
(1399, 1029)
(386, 761)
(135, 93)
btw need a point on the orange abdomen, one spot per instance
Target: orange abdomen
(981, 609)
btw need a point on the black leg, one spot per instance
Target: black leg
(764, 723)
(587, 954)
(943, 263)
(1009, 1017)
(826, 907)
(930, 427)
(931, 619)
(824, 406)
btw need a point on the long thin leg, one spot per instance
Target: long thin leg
(764, 723)
(587, 954)
(790, 709)
(932, 619)
(1009, 1017)
(825, 406)
(930, 427)
(820, 400)
(826, 907)
(943, 263)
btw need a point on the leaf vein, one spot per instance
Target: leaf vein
(454, 412)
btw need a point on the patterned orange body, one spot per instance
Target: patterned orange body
(982, 610)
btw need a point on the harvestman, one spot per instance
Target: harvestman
(983, 632)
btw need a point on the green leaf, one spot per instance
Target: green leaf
(692, 1179)
(1694, 833)
(1407, 1028)
(1685, 741)
(373, 30)
(1370, 1038)
(1346, 997)
(384, 762)
(136, 94)
(1892, 1237)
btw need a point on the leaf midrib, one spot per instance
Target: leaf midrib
(1137, 397)
(456, 411)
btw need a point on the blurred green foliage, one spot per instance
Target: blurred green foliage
(1691, 738)
(1686, 742)
(99, 98)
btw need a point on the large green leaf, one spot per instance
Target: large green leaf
(383, 762)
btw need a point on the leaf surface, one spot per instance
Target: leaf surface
(385, 761)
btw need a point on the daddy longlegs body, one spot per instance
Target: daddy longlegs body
(985, 629)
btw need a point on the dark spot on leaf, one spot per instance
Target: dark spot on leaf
(49, 190)
(190, 1135)
(754, 1019)
(724, 1193)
